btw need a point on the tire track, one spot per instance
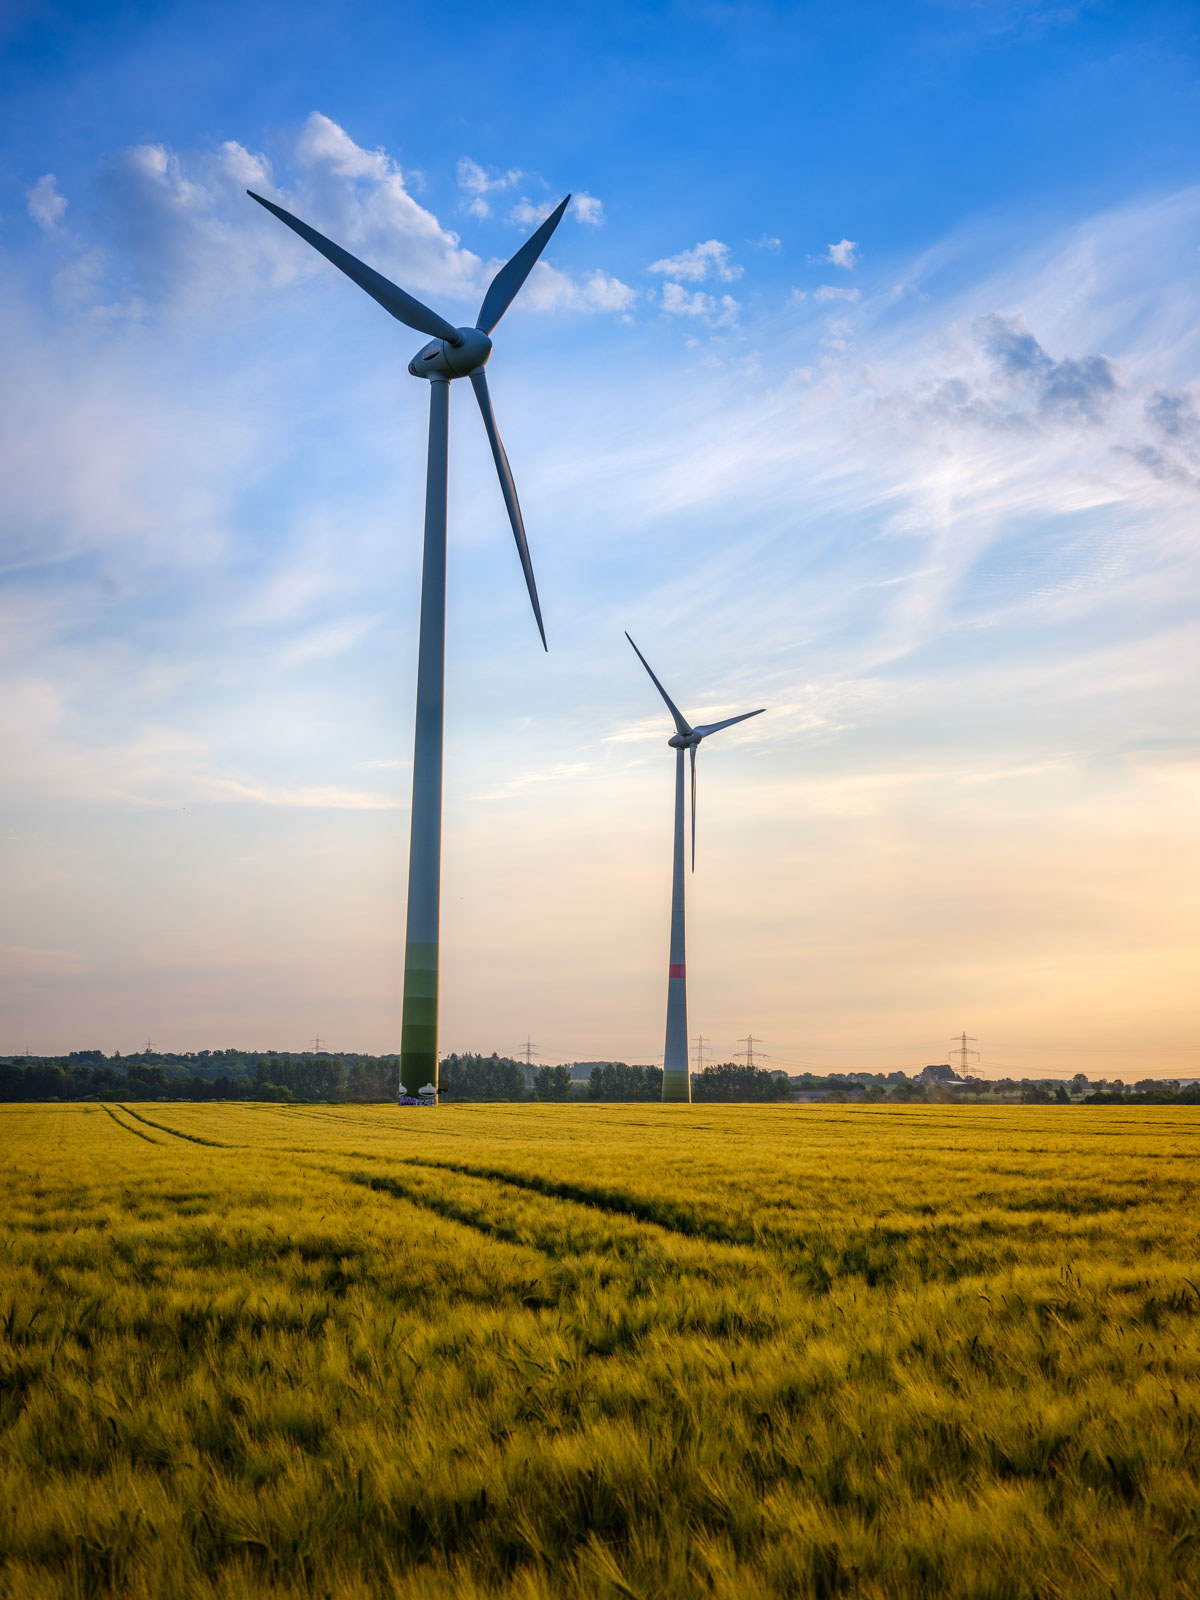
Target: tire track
(672, 1219)
(192, 1138)
(137, 1132)
(662, 1214)
(522, 1235)
(440, 1205)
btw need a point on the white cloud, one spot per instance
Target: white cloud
(696, 264)
(177, 231)
(322, 143)
(766, 241)
(550, 289)
(46, 206)
(844, 254)
(679, 302)
(588, 209)
(827, 291)
(180, 230)
(529, 214)
(476, 182)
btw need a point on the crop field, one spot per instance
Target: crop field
(599, 1351)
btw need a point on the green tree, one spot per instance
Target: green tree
(552, 1083)
(472, 1077)
(731, 1082)
(614, 1080)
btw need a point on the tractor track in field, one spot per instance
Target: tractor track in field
(441, 1206)
(451, 1210)
(192, 1138)
(304, 1113)
(614, 1202)
(137, 1132)
(673, 1218)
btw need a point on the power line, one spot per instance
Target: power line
(703, 1048)
(529, 1050)
(963, 1053)
(749, 1041)
(317, 1044)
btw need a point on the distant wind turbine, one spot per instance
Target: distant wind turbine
(677, 1081)
(453, 353)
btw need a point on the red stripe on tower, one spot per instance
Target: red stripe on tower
(675, 970)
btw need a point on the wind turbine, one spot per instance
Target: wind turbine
(452, 353)
(677, 1080)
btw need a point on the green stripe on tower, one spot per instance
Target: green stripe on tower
(418, 1026)
(677, 1087)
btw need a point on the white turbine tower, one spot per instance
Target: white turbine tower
(453, 353)
(677, 1081)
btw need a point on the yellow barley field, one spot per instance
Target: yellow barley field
(599, 1351)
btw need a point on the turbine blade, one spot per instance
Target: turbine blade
(715, 727)
(505, 285)
(509, 490)
(692, 753)
(681, 727)
(404, 307)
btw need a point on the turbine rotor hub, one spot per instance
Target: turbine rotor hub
(683, 741)
(441, 359)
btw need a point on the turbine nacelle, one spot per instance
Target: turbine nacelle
(452, 352)
(688, 738)
(442, 359)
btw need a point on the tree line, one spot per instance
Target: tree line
(307, 1076)
(337, 1079)
(208, 1075)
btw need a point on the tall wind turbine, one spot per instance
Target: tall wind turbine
(677, 1080)
(452, 353)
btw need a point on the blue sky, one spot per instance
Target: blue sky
(861, 382)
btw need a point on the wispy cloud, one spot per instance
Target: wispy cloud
(477, 184)
(585, 208)
(677, 301)
(330, 639)
(318, 797)
(710, 259)
(561, 772)
(529, 214)
(46, 206)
